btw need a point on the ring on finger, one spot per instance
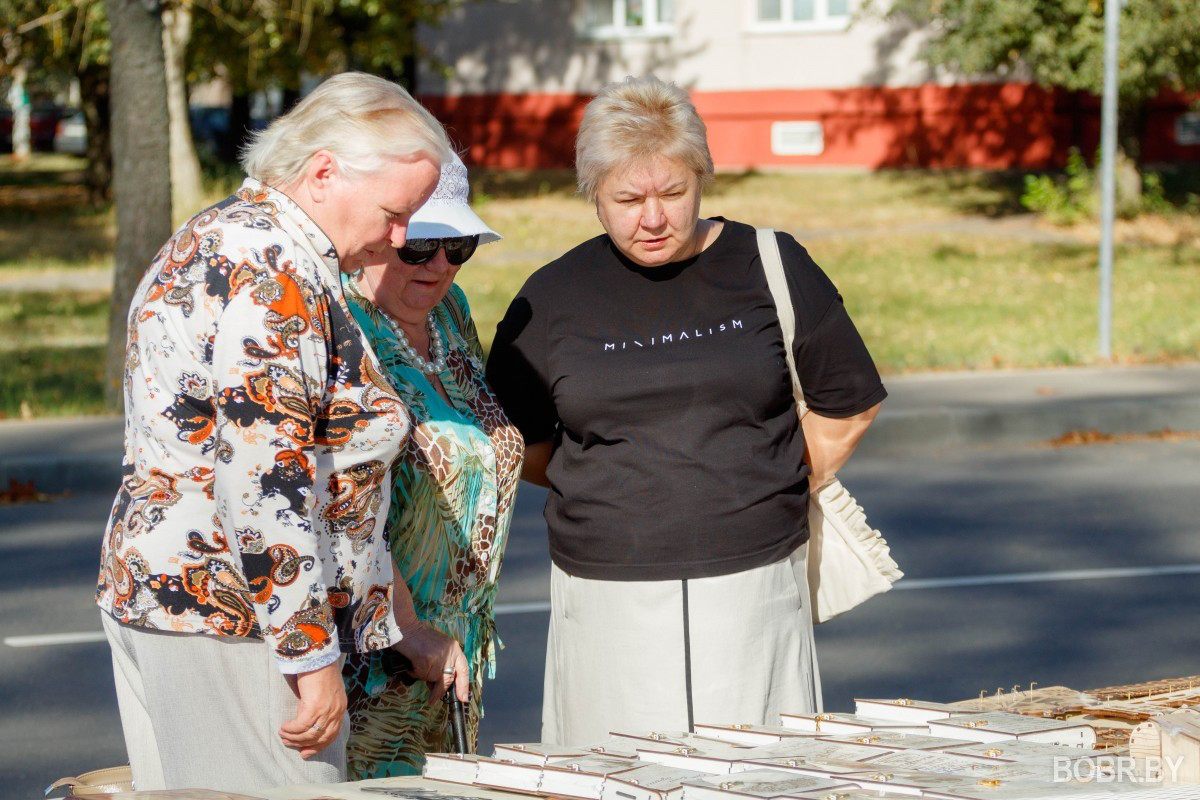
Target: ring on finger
(448, 671)
(316, 726)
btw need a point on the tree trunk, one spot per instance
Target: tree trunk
(141, 164)
(291, 96)
(410, 68)
(93, 100)
(239, 127)
(187, 189)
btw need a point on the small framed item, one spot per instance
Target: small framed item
(890, 741)
(583, 778)
(778, 755)
(760, 784)
(651, 782)
(924, 784)
(537, 753)
(750, 735)
(615, 747)
(714, 758)
(904, 710)
(965, 766)
(998, 726)
(847, 723)
(508, 775)
(451, 767)
(636, 738)
(1015, 750)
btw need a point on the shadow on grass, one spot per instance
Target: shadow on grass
(46, 220)
(728, 181)
(1180, 184)
(524, 184)
(31, 319)
(987, 193)
(52, 380)
(41, 177)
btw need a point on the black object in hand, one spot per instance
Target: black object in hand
(458, 722)
(398, 665)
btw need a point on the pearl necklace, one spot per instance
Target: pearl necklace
(436, 344)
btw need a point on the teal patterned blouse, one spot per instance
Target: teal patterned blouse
(452, 501)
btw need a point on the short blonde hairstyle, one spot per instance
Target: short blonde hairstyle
(636, 119)
(362, 119)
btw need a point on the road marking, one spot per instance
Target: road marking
(543, 606)
(536, 607)
(49, 639)
(1046, 577)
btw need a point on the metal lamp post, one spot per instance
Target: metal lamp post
(1108, 162)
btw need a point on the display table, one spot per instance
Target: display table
(1135, 742)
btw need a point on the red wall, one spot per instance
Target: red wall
(980, 125)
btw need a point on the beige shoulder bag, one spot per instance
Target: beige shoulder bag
(848, 560)
(97, 783)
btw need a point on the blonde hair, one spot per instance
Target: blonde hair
(636, 119)
(362, 119)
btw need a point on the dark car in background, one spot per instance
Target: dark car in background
(210, 129)
(62, 130)
(43, 122)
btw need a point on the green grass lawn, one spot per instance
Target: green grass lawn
(927, 286)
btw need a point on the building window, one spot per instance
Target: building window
(604, 19)
(772, 15)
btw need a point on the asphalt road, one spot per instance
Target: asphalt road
(999, 513)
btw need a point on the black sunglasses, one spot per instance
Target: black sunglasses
(458, 249)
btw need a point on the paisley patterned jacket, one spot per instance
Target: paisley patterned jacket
(259, 437)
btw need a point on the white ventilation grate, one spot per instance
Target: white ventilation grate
(797, 138)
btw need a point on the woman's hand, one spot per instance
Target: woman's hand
(437, 659)
(322, 707)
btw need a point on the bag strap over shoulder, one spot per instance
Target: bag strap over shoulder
(768, 251)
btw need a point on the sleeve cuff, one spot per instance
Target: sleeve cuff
(394, 635)
(870, 401)
(310, 663)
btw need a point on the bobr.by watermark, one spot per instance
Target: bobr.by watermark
(1116, 769)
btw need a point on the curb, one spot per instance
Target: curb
(895, 431)
(78, 473)
(945, 427)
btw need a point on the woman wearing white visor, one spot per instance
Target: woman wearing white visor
(453, 486)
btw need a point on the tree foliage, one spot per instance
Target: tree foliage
(57, 40)
(1060, 43)
(255, 44)
(56, 37)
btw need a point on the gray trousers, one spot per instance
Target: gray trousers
(203, 712)
(639, 656)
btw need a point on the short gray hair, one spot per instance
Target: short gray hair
(362, 119)
(636, 119)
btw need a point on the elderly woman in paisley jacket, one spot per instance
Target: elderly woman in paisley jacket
(245, 553)
(453, 487)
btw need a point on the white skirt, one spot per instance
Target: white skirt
(662, 655)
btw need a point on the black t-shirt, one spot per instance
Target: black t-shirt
(678, 453)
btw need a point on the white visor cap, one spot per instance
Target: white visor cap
(447, 213)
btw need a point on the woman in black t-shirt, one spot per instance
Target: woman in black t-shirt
(646, 371)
